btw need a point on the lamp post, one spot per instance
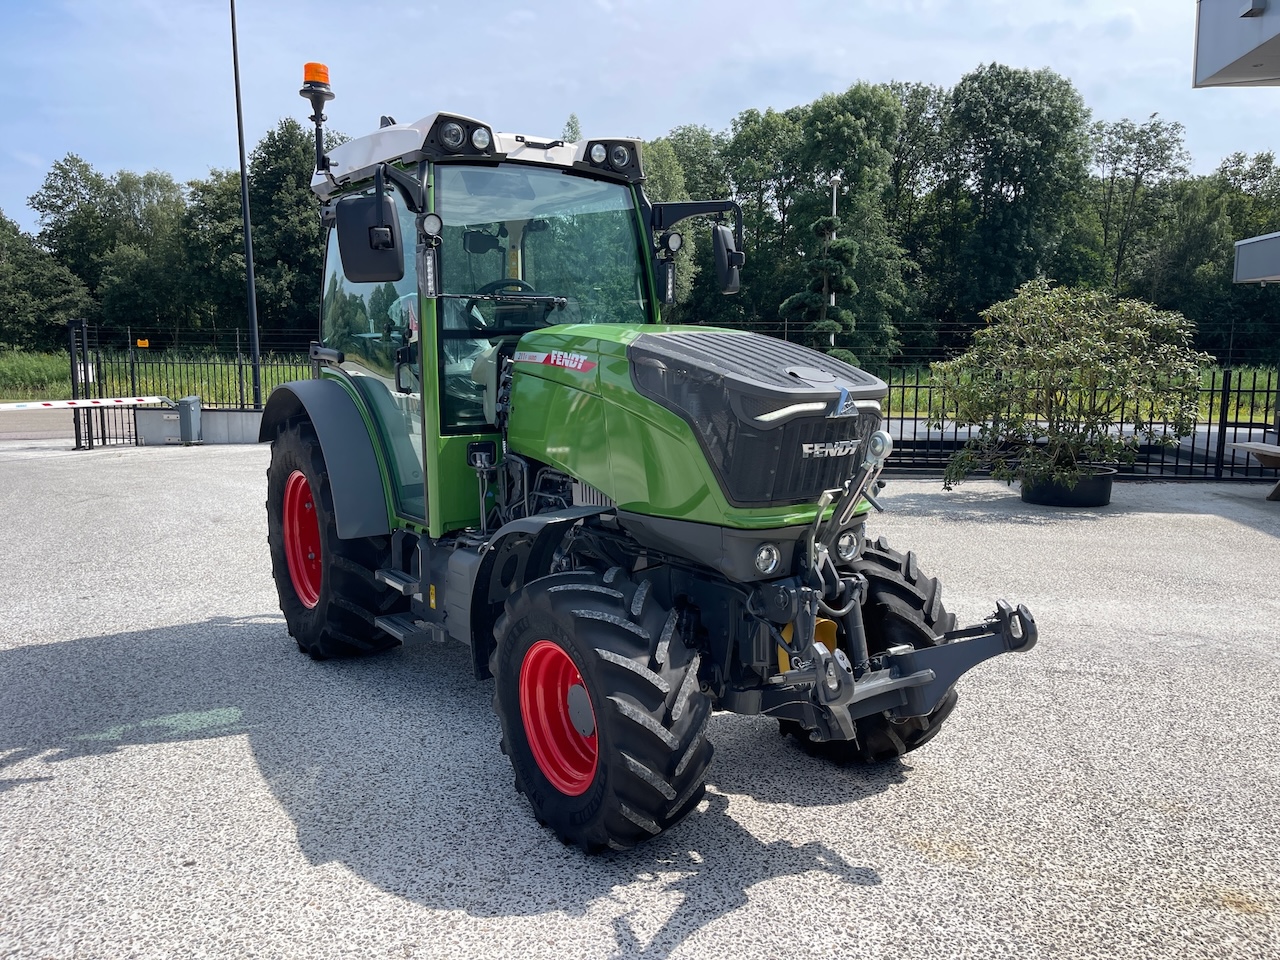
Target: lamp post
(251, 291)
(828, 294)
(835, 189)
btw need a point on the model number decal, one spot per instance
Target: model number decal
(557, 358)
(841, 448)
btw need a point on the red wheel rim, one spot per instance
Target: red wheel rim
(302, 539)
(565, 754)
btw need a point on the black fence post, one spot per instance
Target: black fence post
(84, 370)
(1220, 456)
(133, 365)
(97, 379)
(75, 379)
(240, 369)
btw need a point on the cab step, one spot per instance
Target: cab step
(407, 628)
(401, 583)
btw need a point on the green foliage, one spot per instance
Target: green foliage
(38, 295)
(1062, 378)
(286, 228)
(816, 322)
(34, 376)
(1132, 162)
(148, 252)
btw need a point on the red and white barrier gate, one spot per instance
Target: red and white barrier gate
(85, 404)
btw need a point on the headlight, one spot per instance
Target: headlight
(768, 558)
(598, 153)
(619, 156)
(480, 138)
(847, 546)
(452, 135)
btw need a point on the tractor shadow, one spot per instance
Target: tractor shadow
(390, 767)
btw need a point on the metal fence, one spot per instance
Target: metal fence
(1235, 407)
(221, 382)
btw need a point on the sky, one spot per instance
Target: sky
(148, 84)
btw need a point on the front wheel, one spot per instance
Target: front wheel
(903, 606)
(602, 716)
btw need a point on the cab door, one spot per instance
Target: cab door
(377, 327)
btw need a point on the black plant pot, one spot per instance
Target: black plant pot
(1092, 490)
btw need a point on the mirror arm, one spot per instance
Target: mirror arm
(667, 215)
(414, 194)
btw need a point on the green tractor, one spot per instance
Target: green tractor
(629, 524)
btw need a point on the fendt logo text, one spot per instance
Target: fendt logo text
(841, 448)
(574, 361)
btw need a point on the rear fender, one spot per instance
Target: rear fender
(359, 498)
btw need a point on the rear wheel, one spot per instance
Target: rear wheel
(903, 607)
(327, 589)
(602, 716)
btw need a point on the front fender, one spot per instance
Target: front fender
(479, 582)
(355, 480)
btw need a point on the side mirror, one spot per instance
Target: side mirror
(729, 259)
(477, 241)
(369, 239)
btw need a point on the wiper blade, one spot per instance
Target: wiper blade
(548, 303)
(556, 303)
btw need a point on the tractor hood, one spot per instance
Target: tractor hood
(778, 423)
(698, 423)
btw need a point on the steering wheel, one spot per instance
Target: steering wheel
(493, 286)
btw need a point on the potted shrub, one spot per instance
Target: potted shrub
(1061, 384)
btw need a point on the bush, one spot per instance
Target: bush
(1062, 378)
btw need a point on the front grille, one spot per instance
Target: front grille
(762, 467)
(720, 384)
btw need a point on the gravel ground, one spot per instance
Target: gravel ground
(177, 781)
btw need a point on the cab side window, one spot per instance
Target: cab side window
(369, 322)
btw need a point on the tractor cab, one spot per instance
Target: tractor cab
(448, 242)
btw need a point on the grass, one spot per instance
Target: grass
(33, 376)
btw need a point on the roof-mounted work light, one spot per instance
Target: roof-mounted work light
(315, 87)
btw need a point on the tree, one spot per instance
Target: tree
(913, 166)
(812, 309)
(572, 131)
(664, 183)
(1018, 145)
(213, 240)
(852, 136)
(701, 156)
(1061, 379)
(1132, 162)
(143, 274)
(38, 295)
(286, 234)
(73, 224)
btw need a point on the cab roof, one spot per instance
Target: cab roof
(356, 160)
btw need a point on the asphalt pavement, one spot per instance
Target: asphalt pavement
(176, 780)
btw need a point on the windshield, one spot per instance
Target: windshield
(525, 247)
